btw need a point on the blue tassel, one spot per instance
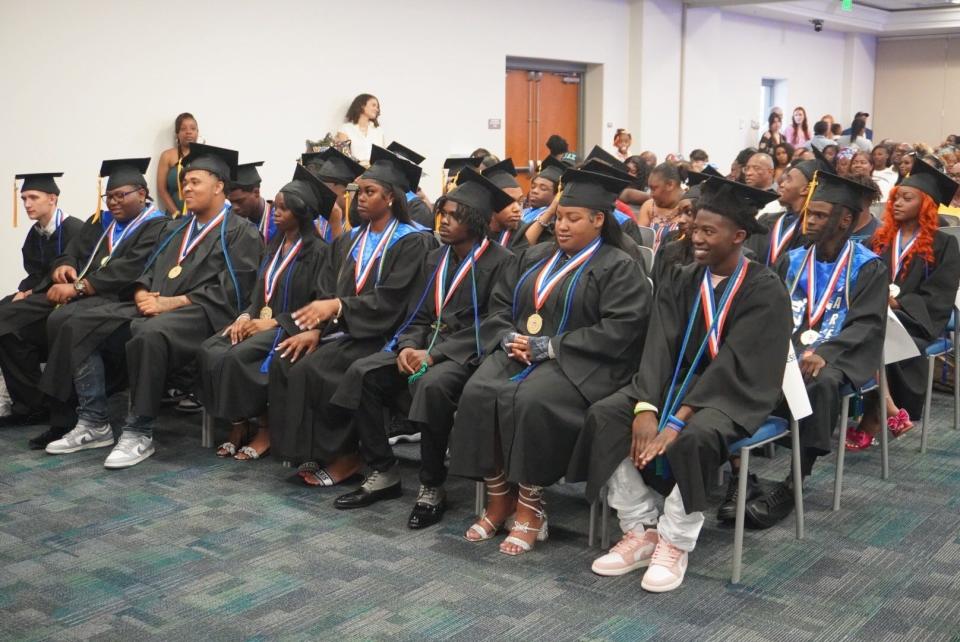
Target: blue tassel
(265, 366)
(523, 374)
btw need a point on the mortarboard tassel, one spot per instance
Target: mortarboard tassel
(97, 211)
(347, 202)
(16, 202)
(811, 186)
(183, 206)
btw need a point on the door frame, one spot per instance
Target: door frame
(518, 63)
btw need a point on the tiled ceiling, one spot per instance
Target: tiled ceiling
(906, 5)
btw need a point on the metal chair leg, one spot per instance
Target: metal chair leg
(592, 529)
(741, 510)
(770, 450)
(206, 430)
(925, 422)
(797, 476)
(884, 436)
(841, 451)
(604, 524)
(480, 495)
(956, 381)
(720, 475)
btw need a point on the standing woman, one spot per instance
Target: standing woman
(797, 133)
(234, 363)
(569, 319)
(772, 137)
(660, 211)
(185, 131)
(362, 128)
(924, 268)
(782, 156)
(368, 283)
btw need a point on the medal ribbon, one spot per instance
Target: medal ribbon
(187, 246)
(277, 267)
(361, 270)
(504, 238)
(442, 298)
(114, 241)
(545, 282)
(265, 221)
(779, 239)
(660, 233)
(714, 319)
(815, 311)
(899, 255)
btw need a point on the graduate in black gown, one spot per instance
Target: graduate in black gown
(418, 210)
(337, 171)
(433, 353)
(568, 320)
(678, 250)
(924, 268)
(709, 376)
(234, 363)
(626, 221)
(838, 290)
(246, 200)
(22, 339)
(197, 282)
(506, 226)
(370, 278)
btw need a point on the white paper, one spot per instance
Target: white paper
(898, 344)
(794, 389)
(956, 302)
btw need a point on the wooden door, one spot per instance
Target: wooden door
(539, 104)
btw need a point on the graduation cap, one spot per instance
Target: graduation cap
(822, 161)
(125, 171)
(600, 153)
(336, 167)
(391, 168)
(931, 181)
(216, 160)
(405, 152)
(311, 191)
(831, 188)
(582, 188)
(477, 191)
(247, 176)
(737, 201)
(42, 182)
(552, 169)
(503, 174)
(598, 166)
(808, 168)
(454, 165)
(696, 178)
(313, 158)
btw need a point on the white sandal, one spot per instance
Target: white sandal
(477, 527)
(229, 449)
(321, 474)
(251, 453)
(535, 493)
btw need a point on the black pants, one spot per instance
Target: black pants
(21, 354)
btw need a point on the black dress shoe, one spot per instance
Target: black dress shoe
(728, 509)
(770, 508)
(429, 509)
(362, 497)
(52, 434)
(32, 419)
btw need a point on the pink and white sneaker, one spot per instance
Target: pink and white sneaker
(899, 423)
(630, 553)
(668, 565)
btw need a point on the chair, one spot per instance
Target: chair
(646, 236)
(647, 255)
(939, 348)
(206, 430)
(846, 394)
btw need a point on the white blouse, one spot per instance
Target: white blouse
(361, 145)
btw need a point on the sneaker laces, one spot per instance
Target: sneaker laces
(127, 441)
(372, 480)
(780, 493)
(665, 554)
(627, 544)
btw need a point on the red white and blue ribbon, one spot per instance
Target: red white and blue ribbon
(362, 267)
(265, 220)
(441, 295)
(114, 241)
(546, 281)
(276, 269)
(714, 319)
(189, 243)
(660, 233)
(900, 254)
(504, 237)
(817, 306)
(780, 238)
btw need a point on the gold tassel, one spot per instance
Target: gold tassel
(347, 202)
(16, 202)
(183, 206)
(96, 212)
(443, 182)
(811, 187)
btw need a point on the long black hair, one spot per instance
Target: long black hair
(475, 221)
(304, 213)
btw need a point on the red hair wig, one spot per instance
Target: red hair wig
(928, 224)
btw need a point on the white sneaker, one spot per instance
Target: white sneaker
(82, 437)
(130, 450)
(667, 568)
(630, 553)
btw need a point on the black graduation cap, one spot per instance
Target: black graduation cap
(454, 165)
(808, 167)
(834, 189)
(393, 169)
(125, 171)
(737, 201)
(823, 163)
(311, 190)
(931, 181)
(216, 160)
(405, 152)
(248, 176)
(477, 191)
(314, 158)
(337, 167)
(594, 191)
(600, 153)
(503, 174)
(42, 182)
(552, 169)
(695, 178)
(598, 166)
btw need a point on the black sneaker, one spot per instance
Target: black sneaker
(771, 507)
(728, 509)
(52, 434)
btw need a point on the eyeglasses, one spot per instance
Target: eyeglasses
(114, 196)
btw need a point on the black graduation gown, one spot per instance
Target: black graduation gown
(232, 382)
(759, 244)
(540, 417)
(39, 253)
(156, 346)
(517, 242)
(671, 257)
(733, 394)
(304, 425)
(927, 294)
(632, 230)
(853, 355)
(420, 212)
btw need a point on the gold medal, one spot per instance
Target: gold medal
(809, 337)
(174, 272)
(266, 312)
(894, 290)
(104, 261)
(534, 323)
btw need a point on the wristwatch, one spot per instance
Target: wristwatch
(81, 287)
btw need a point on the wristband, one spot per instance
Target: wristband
(643, 406)
(675, 423)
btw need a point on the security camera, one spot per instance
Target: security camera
(817, 25)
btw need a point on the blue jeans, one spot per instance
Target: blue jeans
(90, 381)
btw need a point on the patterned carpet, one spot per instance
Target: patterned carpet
(188, 547)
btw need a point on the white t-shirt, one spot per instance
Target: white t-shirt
(361, 145)
(885, 180)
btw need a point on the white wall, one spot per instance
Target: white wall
(98, 79)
